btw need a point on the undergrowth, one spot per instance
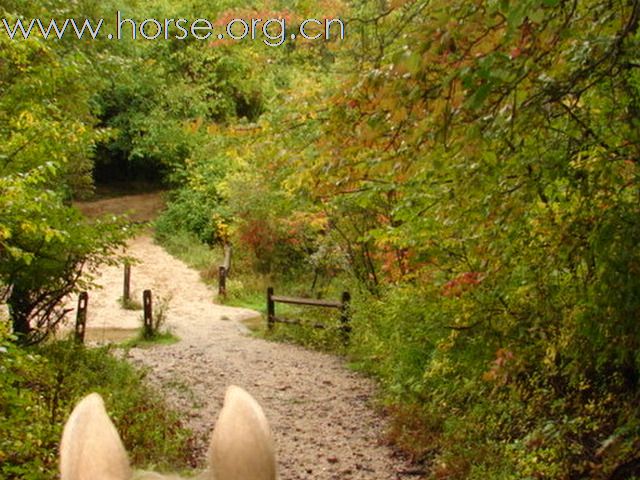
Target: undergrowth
(39, 387)
(464, 402)
(130, 303)
(247, 288)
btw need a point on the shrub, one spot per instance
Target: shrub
(195, 212)
(40, 386)
(45, 247)
(489, 405)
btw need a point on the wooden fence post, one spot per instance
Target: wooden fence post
(223, 271)
(222, 281)
(148, 314)
(126, 289)
(227, 258)
(345, 315)
(271, 308)
(81, 316)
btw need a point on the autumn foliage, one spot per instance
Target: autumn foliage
(476, 168)
(467, 169)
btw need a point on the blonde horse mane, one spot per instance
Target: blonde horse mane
(241, 446)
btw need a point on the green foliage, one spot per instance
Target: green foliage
(44, 247)
(277, 241)
(145, 114)
(474, 167)
(46, 109)
(194, 210)
(39, 387)
(230, 187)
(48, 133)
(475, 409)
(480, 170)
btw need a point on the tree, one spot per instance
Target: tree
(45, 247)
(48, 133)
(493, 147)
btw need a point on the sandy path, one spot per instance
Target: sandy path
(137, 207)
(320, 411)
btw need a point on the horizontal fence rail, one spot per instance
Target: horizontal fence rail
(306, 301)
(342, 305)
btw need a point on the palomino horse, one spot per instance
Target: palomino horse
(241, 445)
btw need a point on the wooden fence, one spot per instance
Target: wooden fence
(223, 271)
(147, 301)
(342, 305)
(81, 317)
(83, 303)
(126, 287)
(148, 313)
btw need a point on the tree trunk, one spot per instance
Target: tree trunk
(19, 309)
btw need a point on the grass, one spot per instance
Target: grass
(140, 341)
(191, 251)
(130, 304)
(248, 289)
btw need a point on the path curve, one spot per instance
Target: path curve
(320, 411)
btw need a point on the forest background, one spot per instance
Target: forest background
(467, 169)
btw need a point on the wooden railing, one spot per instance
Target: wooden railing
(342, 305)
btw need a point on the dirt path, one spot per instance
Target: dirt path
(320, 411)
(137, 207)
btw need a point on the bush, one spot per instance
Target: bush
(475, 403)
(193, 212)
(40, 386)
(45, 247)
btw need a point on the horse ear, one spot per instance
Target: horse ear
(91, 447)
(241, 444)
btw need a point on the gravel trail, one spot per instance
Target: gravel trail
(320, 412)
